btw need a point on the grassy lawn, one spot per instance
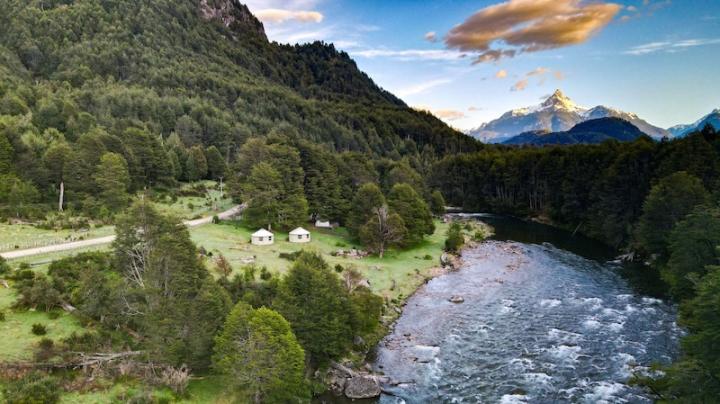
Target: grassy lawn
(18, 341)
(27, 236)
(194, 207)
(407, 269)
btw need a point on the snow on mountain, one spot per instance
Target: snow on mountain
(558, 113)
(712, 118)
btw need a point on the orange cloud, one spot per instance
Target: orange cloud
(279, 16)
(501, 74)
(520, 85)
(444, 114)
(518, 26)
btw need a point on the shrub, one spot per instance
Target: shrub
(39, 329)
(46, 350)
(290, 256)
(38, 293)
(2, 316)
(265, 274)
(216, 219)
(339, 268)
(428, 257)
(177, 379)
(455, 238)
(35, 387)
(4, 267)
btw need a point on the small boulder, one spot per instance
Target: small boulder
(362, 387)
(456, 299)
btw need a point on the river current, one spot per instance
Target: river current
(538, 324)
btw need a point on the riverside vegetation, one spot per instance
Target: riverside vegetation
(102, 104)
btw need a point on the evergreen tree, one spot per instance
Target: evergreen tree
(196, 165)
(259, 354)
(6, 155)
(691, 248)
(170, 295)
(437, 203)
(414, 212)
(668, 202)
(215, 163)
(113, 179)
(366, 200)
(262, 192)
(312, 299)
(54, 160)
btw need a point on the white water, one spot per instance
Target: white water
(538, 325)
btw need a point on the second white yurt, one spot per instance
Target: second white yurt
(299, 235)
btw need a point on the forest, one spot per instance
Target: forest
(655, 201)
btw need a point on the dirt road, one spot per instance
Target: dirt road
(235, 210)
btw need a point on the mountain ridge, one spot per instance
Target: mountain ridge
(558, 113)
(587, 132)
(713, 119)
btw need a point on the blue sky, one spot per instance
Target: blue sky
(657, 58)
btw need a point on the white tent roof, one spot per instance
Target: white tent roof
(262, 233)
(299, 232)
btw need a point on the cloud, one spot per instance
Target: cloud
(444, 114)
(669, 47)
(421, 87)
(409, 54)
(279, 16)
(539, 74)
(517, 26)
(474, 109)
(501, 74)
(431, 36)
(520, 85)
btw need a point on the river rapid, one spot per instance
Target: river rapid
(539, 324)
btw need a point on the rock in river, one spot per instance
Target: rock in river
(362, 387)
(456, 299)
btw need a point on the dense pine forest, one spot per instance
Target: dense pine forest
(149, 82)
(106, 105)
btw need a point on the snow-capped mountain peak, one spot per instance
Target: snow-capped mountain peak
(557, 113)
(558, 100)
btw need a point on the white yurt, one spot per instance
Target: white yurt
(262, 237)
(299, 235)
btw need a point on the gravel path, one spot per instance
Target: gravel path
(235, 210)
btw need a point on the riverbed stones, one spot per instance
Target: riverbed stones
(360, 387)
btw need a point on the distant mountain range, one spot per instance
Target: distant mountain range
(558, 113)
(712, 118)
(591, 131)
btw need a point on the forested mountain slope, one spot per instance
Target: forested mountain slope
(126, 73)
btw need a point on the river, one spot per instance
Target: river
(545, 319)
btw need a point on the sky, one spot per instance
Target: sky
(470, 61)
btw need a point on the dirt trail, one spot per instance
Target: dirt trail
(235, 210)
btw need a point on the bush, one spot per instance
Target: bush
(38, 293)
(290, 256)
(428, 257)
(2, 316)
(216, 219)
(455, 238)
(39, 329)
(45, 351)
(339, 268)
(4, 267)
(35, 387)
